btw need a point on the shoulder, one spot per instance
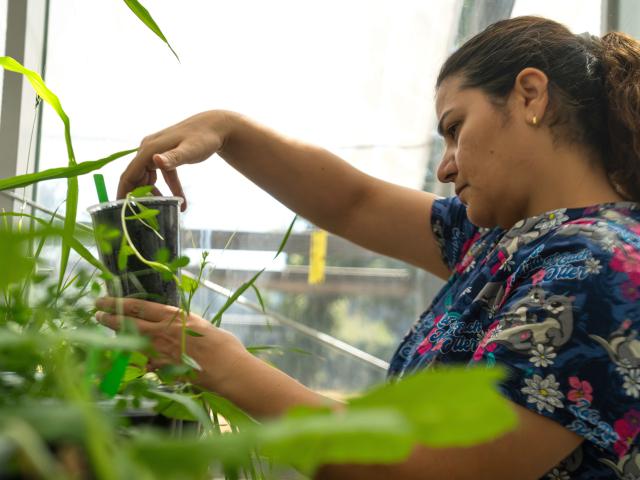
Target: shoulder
(579, 248)
(583, 271)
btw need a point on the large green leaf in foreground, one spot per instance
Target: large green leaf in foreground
(439, 408)
(448, 406)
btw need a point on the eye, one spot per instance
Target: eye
(452, 130)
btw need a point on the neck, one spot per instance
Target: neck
(573, 179)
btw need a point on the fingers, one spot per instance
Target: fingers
(138, 173)
(172, 180)
(132, 307)
(191, 141)
(108, 320)
(142, 169)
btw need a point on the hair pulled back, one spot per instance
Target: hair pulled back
(594, 85)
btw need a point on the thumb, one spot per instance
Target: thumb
(168, 160)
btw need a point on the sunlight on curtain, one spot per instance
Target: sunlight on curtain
(578, 15)
(355, 77)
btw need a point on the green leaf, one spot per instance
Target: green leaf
(34, 451)
(143, 191)
(193, 333)
(48, 96)
(104, 236)
(310, 439)
(190, 404)
(72, 241)
(92, 337)
(138, 211)
(182, 458)
(15, 266)
(132, 372)
(145, 214)
(179, 263)
(123, 255)
(20, 181)
(42, 90)
(144, 15)
(187, 360)
(138, 359)
(69, 224)
(228, 410)
(456, 407)
(286, 236)
(188, 284)
(230, 301)
(259, 296)
(162, 255)
(52, 419)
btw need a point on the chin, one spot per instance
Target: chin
(480, 218)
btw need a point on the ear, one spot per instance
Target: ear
(531, 93)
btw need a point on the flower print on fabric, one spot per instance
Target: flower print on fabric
(552, 219)
(469, 259)
(558, 474)
(542, 356)
(543, 392)
(631, 381)
(593, 266)
(627, 259)
(630, 291)
(580, 392)
(627, 429)
(550, 300)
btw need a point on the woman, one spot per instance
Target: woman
(540, 246)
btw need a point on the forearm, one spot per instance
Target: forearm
(310, 180)
(258, 388)
(332, 194)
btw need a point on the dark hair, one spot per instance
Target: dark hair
(594, 85)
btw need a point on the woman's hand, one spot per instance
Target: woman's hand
(215, 350)
(190, 141)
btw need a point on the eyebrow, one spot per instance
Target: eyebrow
(440, 123)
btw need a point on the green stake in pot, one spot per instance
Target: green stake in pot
(113, 379)
(100, 188)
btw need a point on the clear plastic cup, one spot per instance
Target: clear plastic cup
(137, 279)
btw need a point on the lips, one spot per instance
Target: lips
(460, 189)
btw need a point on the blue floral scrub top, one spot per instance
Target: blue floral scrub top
(556, 299)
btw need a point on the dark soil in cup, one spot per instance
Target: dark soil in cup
(137, 279)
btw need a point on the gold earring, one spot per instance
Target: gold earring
(534, 121)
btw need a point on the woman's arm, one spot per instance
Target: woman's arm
(313, 182)
(228, 369)
(533, 448)
(536, 446)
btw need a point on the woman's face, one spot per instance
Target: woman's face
(488, 154)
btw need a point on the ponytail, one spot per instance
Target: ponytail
(620, 56)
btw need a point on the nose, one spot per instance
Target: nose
(447, 170)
